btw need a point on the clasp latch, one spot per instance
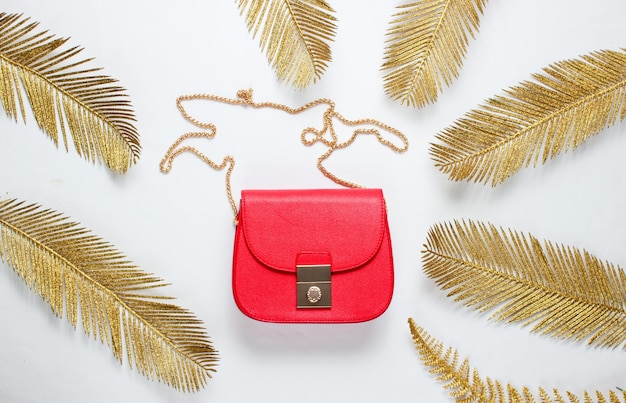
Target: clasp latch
(313, 286)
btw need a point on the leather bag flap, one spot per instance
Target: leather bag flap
(348, 224)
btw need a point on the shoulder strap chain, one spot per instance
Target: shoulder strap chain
(309, 136)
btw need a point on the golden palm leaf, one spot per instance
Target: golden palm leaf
(85, 277)
(294, 35)
(426, 47)
(535, 120)
(64, 96)
(567, 293)
(467, 386)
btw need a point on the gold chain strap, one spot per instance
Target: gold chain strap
(309, 136)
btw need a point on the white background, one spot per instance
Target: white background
(179, 227)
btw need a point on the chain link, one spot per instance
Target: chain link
(309, 136)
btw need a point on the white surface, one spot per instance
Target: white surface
(179, 225)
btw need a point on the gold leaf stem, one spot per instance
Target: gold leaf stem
(294, 35)
(531, 128)
(62, 91)
(565, 105)
(567, 293)
(65, 263)
(63, 97)
(426, 45)
(467, 386)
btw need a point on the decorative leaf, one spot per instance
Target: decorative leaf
(69, 267)
(468, 387)
(426, 47)
(294, 35)
(64, 96)
(534, 121)
(567, 293)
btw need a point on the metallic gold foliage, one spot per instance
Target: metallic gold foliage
(535, 120)
(467, 386)
(64, 96)
(565, 292)
(426, 47)
(294, 34)
(87, 280)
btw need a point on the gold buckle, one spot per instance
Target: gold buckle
(313, 286)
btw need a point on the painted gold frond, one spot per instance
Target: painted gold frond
(64, 96)
(87, 280)
(426, 47)
(565, 292)
(534, 121)
(467, 386)
(295, 36)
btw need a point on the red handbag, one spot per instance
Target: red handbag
(315, 256)
(307, 256)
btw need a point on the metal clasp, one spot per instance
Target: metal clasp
(313, 286)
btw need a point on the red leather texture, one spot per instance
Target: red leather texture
(279, 229)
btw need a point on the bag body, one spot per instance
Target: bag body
(312, 256)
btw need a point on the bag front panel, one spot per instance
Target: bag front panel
(269, 295)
